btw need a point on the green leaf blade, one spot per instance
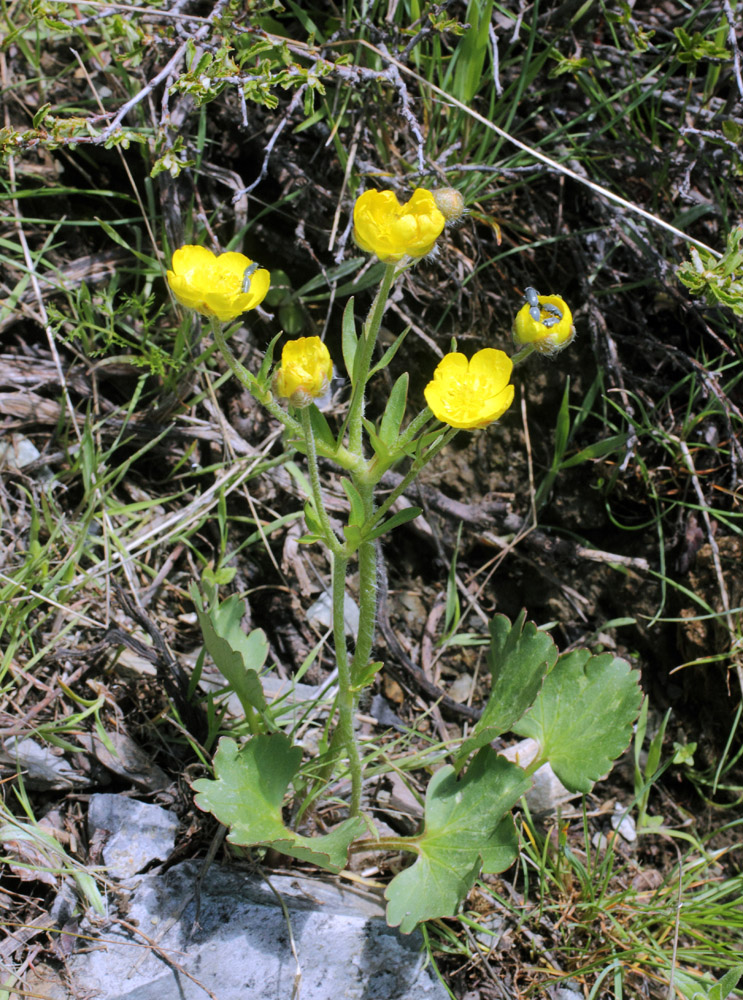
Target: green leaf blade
(238, 656)
(582, 717)
(349, 340)
(357, 513)
(467, 826)
(520, 656)
(389, 429)
(398, 518)
(321, 427)
(389, 353)
(247, 796)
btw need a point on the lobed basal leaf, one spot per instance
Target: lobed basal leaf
(238, 656)
(582, 717)
(467, 828)
(248, 793)
(519, 657)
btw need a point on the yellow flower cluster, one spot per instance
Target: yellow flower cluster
(222, 287)
(463, 393)
(392, 231)
(471, 394)
(305, 372)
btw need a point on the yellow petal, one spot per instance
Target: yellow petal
(548, 339)
(452, 365)
(189, 259)
(305, 372)
(492, 364)
(471, 394)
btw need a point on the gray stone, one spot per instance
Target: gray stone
(600, 841)
(321, 613)
(17, 451)
(565, 993)
(41, 767)
(292, 695)
(385, 716)
(134, 833)
(237, 945)
(121, 755)
(490, 929)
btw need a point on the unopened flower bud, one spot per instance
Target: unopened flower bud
(545, 322)
(305, 372)
(450, 203)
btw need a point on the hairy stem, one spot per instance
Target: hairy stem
(250, 382)
(366, 346)
(367, 589)
(523, 354)
(309, 440)
(346, 701)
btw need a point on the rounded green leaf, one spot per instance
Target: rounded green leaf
(467, 827)
(248, 793)
(582, 717)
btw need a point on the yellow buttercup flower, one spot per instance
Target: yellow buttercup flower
(545, 322)
(223, 286)
(470, 394)
(392, 231)
(305, 372)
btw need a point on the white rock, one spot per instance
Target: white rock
(291, 694)
(321, 613)
(623, 823)
(41, 767)
(547, 793)
(600, 841)
(16, 451)
(563, 993)
(490, 928)
(461, 688)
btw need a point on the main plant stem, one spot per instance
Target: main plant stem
(366, 345)
(349, 676)
(346, 700)
(347, 695)
(367, 590)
